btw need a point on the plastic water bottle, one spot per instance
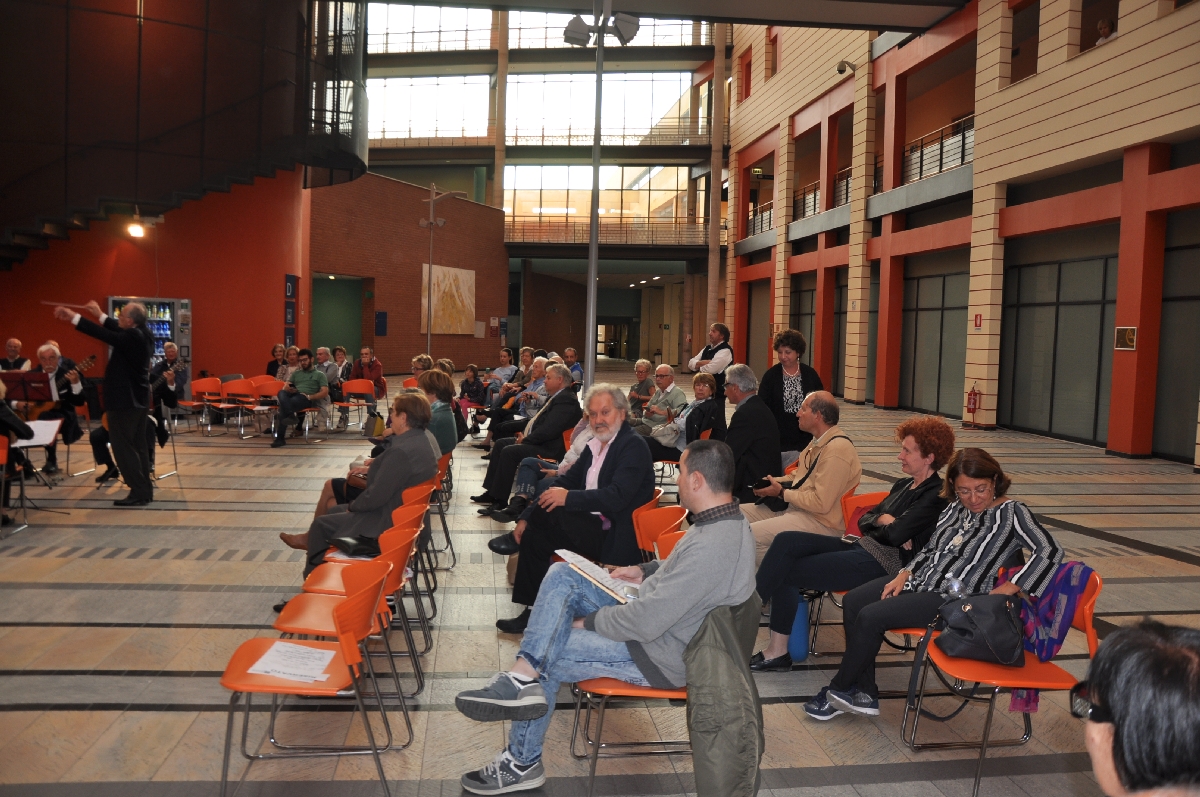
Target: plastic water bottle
(956, 588)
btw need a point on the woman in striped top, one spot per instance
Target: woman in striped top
(980, 532)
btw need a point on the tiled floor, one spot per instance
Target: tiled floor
(116, 624)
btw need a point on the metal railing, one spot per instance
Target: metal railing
(806, 201)
(841, 187)
(399, 139)
(651, 33)
(940, 150)
(663, 134)
(761, 219)
(429, 41)
(572, 230)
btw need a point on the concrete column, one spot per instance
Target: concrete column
(1139, 303)
(891, 315)
(895, 115)
(1058, 33)
(686, 318)
(731, 219)
(826, 294)
(501, 101)
(858, 293)
(785, 178)
(986, 301)
(716, 164)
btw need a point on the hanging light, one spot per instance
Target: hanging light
(136, 228)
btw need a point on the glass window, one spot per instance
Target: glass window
(1082, 281)
(453, 106)
(628, 193)
(535, 29)
(414, 29)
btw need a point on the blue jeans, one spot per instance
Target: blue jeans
(529, 476)
(562, 654)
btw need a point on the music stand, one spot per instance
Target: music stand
(43, 431)
(27, 385)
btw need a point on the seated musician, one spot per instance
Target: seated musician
(164, 387)
(67, 390)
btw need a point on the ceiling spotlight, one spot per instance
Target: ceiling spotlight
(577, 33)
(624, 27)
(657, 278)
(643, 282)
(332, 277)
(631, 285)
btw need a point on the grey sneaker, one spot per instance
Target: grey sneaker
(819, 709)
(502, 699)
(504, 775)
(855, 702)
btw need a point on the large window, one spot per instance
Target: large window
(416, 29)
(638, 108)
(1178, 364)
(627, 193)
(1056, 342)
(429, 107)
(533, 29)
(934, 343)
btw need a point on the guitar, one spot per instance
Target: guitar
(155, 385)
(62, 385)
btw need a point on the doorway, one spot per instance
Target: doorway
(758, 332)
(337, 312)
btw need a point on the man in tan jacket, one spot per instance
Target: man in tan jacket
(829, 468)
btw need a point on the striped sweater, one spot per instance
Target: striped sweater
(972, 548)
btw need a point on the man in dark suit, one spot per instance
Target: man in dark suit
(589, 510)
(543, 437)
(51, 361)
(126, 390)
(753, 433)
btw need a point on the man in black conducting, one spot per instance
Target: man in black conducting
(126, 390)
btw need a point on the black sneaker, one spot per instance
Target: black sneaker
(503, 699)
(516, 625)
(278, 442)
(504, 775)
(855, 702)
(819, 708)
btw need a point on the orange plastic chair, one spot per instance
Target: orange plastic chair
(439, 504)
(262, 379)
(651, 504)
(239, 395)
(706, 434)
(651, 524)
(410, 382)
(204, 393)
(353, 619)
(326, 578)
(353, 388)
(667, 542)
(851, 503)
(1034, 674)
(567, 439)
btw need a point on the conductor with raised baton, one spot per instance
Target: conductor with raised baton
(126, 389)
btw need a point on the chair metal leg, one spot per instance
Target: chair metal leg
(174, 456)
(987, 732)
(596, 747)
(371, 736)
(233, 701)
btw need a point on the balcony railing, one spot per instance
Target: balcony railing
(665, 134)
(761, 219)
(651, 33)
(806, 201)
(940, 151)
(841, 188)
(571, 230)
(429, 41)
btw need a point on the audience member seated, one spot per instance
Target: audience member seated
(345, 367)
(327, 366)
(446, 366)
(783, 388)
(577, 631)
(543, 437)
(667, 402)
(1141, 701)
(51, 361)
(164, 388)
(976, 535)
(534, 475)
(892, 533)
(439, 390)
(509, 416)
(11, 424)
(702, 415)
(589, 510)
(13, 361)
(367, 367)
(472, 389)
(420, 364)
(278, 360)
(812, 500)
(642, 389)
(499, 376)
(571, 360)
(291, 363)
(753, 434)
(408, 460)
(305, 386)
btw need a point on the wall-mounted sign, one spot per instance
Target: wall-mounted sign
(289, 314)
(1126, 339)
(380, 323)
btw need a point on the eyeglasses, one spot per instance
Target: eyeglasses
(661, 376)
(980, 491)
(1084, 708)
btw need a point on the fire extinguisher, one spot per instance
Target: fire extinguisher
(973, 401)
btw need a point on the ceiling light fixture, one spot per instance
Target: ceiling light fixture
(332, 277)
(643, 282)
(657, 278)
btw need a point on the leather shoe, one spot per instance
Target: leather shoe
(130, 501)
(759, 663)
(50, 469)
(484, 498)
(516, 625)
(279, 606)
(490, 508)
(278, 442)
(505, 545)
(108, 475)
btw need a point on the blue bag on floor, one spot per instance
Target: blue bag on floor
(798, 641)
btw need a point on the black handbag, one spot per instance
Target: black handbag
(357, 546)
(983, 628)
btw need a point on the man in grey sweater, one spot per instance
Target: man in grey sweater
(578, 631)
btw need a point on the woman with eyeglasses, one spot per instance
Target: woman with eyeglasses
(1141, 701)
(981, 531)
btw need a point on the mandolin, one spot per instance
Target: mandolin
(62, 385)
(155, 385)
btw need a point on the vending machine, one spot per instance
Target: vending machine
(168, 320)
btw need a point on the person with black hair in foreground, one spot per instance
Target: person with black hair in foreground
(1141, 701)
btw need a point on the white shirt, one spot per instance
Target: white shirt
(720, 361)
(1107, 38)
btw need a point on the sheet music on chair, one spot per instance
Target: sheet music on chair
(44, 433)
(623, 591)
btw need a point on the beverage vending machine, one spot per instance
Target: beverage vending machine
(168, 320)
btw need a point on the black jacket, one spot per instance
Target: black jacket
(754, 437)
(68, 400)
(708, 415)
(127, 375)
(559, 415)
(11, 423)
(916, 512)
(626, 482)
(791, 438)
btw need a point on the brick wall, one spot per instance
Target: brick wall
(369, 228)
(554, 313)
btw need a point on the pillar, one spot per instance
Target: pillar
(987, 301)
(1139, 303)
(685, 324)
(891, 316)
(785, 176)
(895, 114)
(1058, 33)
(826, 294)
(858, 292)
(716, 164)
(501, 102)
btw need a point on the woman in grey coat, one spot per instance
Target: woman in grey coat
(407, 461)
